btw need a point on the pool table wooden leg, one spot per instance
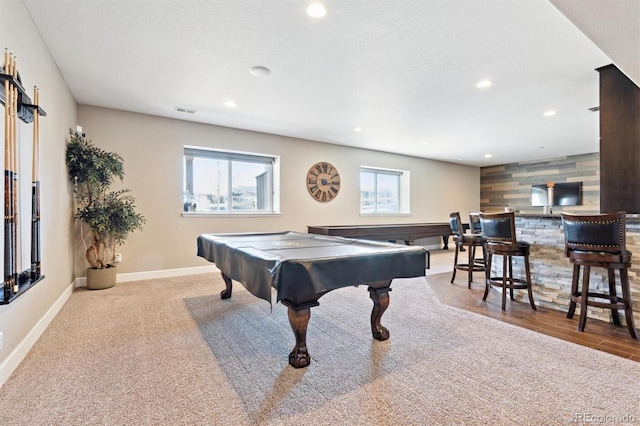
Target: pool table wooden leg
(380, 297)
(299, 319)
(445, 242)
(226, 293)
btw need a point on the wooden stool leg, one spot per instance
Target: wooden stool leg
(574, 290)
(472, 253)
(455, 263)
(612, 295)
(626, 295)
(529, 286)
(511, 277)
(584, 298)
(487, 276)
(504, 280)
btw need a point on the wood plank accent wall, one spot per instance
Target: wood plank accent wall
(510, 184)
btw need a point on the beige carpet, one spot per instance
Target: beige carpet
(171, 352)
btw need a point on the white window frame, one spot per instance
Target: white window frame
(271, 185)
(404, 191)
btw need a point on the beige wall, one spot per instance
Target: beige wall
(20, 321)
(152, 150)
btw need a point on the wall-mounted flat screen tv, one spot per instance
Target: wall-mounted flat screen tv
(564, 194)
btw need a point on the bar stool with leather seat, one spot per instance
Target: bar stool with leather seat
(499, 233)
(474, 223)
(475, 228)
(598, 241)
(470, 241)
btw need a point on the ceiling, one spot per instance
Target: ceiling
(405, 72)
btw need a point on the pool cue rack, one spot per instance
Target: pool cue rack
(18, 105)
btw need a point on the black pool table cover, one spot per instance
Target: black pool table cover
(298, 265)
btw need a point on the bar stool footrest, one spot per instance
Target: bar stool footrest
(617, 302)
(514, 283)
(474, 268)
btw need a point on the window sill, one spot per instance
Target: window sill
(228, 215)
(386, 214)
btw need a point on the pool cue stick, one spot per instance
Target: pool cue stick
(8, 185)
(8, 232)
(35, 192)
(17, 255)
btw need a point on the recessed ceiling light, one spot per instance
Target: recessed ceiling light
(488, 156)
(549, 113)
(484, 84)
(316, 10)
(357, 129)
(230, 104)
(259, 71)
(426, 143)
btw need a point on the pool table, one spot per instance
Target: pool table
(303, 267)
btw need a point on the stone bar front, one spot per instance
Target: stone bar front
(551, 270)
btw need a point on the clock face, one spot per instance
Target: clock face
(323, 182)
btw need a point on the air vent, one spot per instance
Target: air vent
(186, 110)
(594, 109)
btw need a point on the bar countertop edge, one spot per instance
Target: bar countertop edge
(631, 218)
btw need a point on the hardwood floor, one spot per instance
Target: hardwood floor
(598, 335)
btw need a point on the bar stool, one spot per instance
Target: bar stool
(475, 228)
(499, 233)
(474, 223)
(600, 241)
(471, 241)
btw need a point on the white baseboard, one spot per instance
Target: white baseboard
(165, 273)
(15, 358)
(149, 275)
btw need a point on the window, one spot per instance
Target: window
(383, 191)
(229, 182)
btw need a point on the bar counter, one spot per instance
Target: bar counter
(551, 270)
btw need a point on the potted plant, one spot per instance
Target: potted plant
(109, 215)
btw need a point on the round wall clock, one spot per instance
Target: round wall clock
(323, 182)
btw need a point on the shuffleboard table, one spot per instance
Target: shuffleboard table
(407, 232)
(304, 267)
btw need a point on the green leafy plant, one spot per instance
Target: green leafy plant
(110, 215)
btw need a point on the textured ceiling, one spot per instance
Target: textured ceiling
(404, 71)
(613, 25)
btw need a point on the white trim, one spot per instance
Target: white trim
(149, 275)
(164, 273)
(386, 214)
(228, 214)
(230, 151)
(80, 282)
(15, 358)
(433, 247)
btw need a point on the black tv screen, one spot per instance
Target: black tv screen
(564, 194)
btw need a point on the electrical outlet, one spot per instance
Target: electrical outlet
(117, 257)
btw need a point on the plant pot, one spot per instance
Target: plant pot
(98, 279)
